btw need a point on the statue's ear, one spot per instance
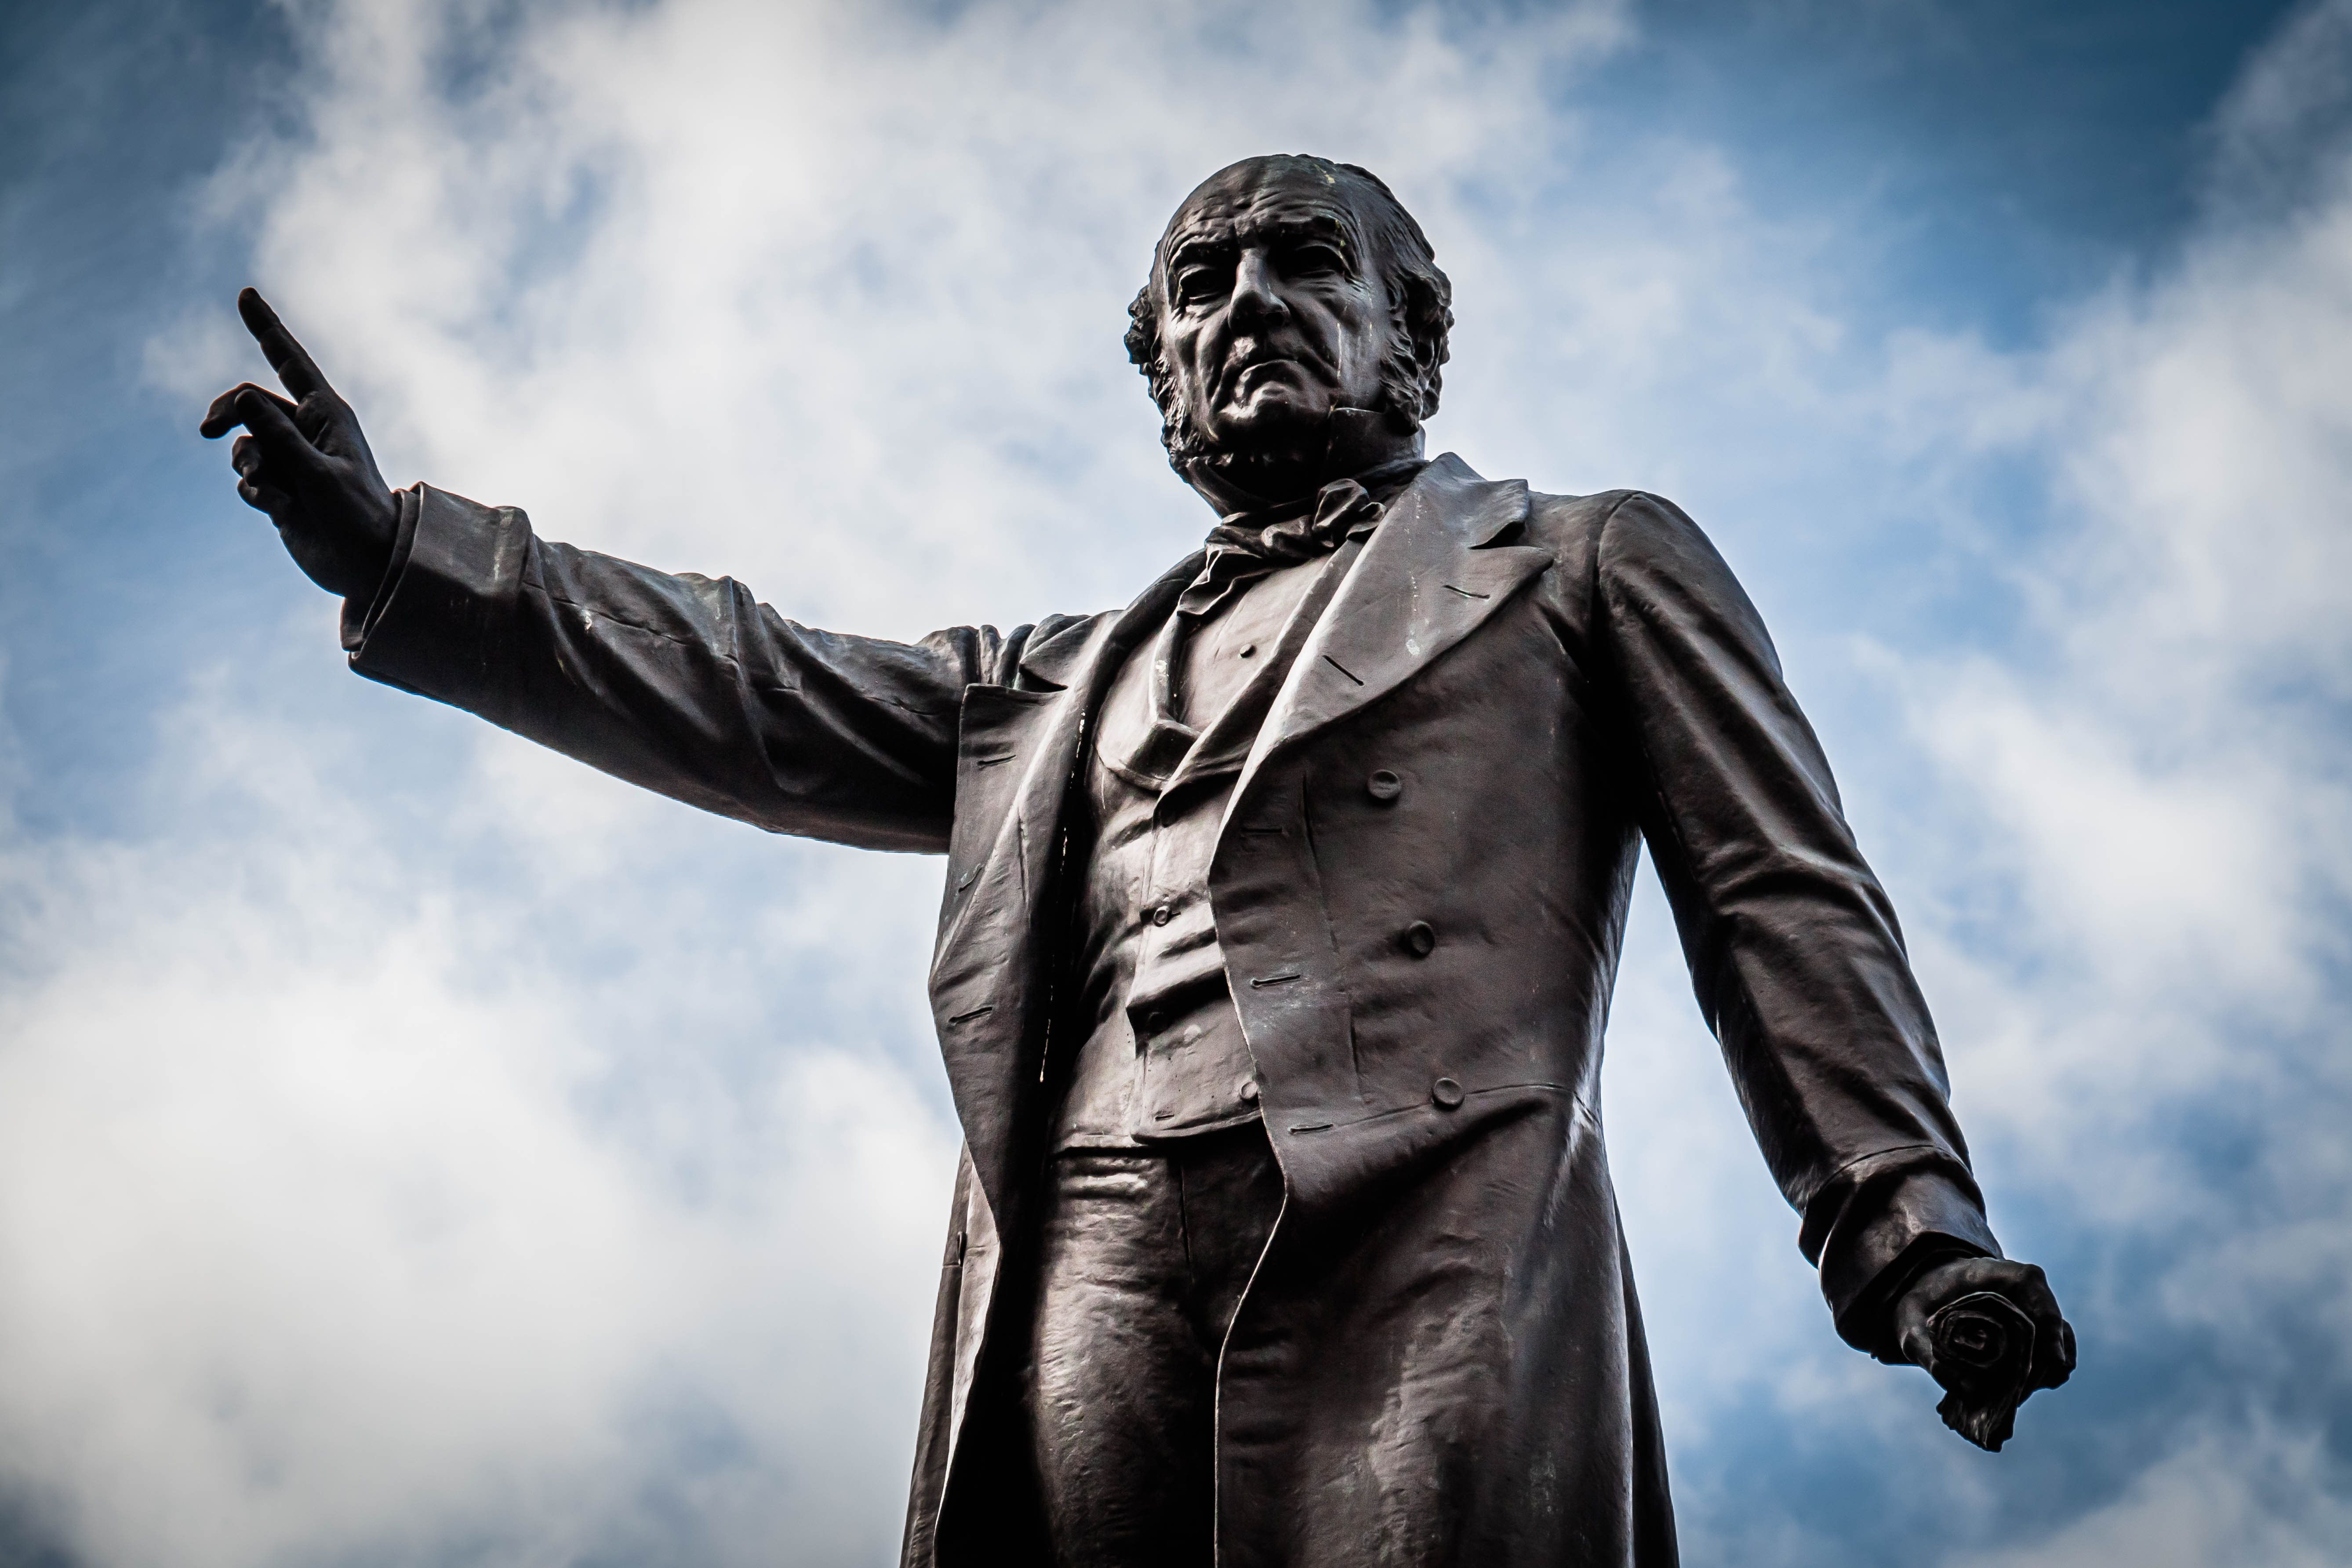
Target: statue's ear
(1429, 320)
(1409, 378)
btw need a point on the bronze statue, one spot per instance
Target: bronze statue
(1282, 909)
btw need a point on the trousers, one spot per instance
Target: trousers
(1144, 1254)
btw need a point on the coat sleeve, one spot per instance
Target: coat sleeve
(681, 683)
(1794, 952)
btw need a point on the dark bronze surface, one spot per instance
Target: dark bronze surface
(1418, 886)
(1122, 1424)
(1984, 1345)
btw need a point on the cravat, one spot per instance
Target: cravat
(1245, 546)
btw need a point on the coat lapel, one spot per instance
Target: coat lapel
(1016, 751)
(1079, 651)
(1431, 574)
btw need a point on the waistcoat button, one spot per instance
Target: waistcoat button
(1384, 785)
(1162, 915)
(1248, 1091)
(1446, 1094)
(1155, 1022)
(1420, 939)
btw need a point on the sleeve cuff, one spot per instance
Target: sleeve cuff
(457, 572)
(1881, 1222)
(359, 615)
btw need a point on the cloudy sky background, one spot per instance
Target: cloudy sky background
(417, 1150)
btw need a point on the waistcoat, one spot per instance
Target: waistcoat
(1163, 1055)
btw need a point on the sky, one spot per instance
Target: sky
(416, 1149)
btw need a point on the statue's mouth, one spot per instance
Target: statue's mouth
(1259, 362)
(1258, 372)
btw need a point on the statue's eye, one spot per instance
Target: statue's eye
(1317, 262)
(1202, 281)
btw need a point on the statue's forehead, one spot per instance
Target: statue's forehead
(1262, 201)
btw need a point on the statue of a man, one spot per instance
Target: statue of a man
(1282, 909)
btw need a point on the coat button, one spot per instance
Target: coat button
(1247, 1091)
(1446, 1094)
(1162, 915)
(1384, 785)
(1420, 939)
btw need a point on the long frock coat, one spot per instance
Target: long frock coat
(1420, 887)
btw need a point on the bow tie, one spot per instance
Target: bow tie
(1249, 544)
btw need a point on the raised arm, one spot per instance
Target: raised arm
(680, 683)
(1795, 954)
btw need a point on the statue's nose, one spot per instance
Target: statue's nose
(1257, 294)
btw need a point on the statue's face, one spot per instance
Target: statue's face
(1270, 312)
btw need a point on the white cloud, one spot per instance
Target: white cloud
(2150, 1026)
(2163, 784)
(2262, 1499)
(831, 293)
(312, 1240)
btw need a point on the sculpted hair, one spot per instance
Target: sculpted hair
(1421, 312)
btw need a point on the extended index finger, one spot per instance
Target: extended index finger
(287, 358)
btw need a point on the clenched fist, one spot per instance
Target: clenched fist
(1988, 1330)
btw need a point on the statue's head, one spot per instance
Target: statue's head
(1286, 287)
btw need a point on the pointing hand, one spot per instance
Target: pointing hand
(306, 464)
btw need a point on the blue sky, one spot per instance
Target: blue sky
(416, 1149)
